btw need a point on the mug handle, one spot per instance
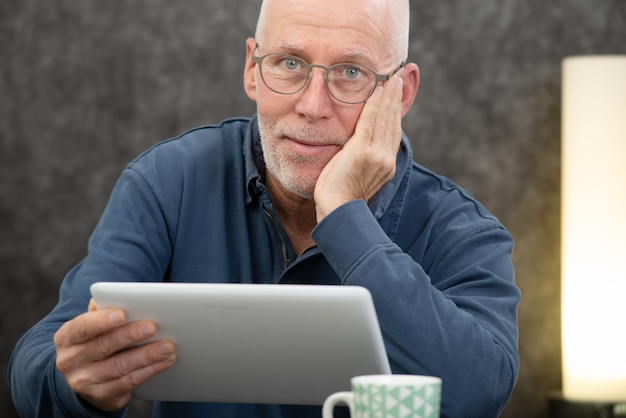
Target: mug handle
(335, 399)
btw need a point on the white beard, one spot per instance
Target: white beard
(286, 167)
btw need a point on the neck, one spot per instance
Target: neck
(296, 214)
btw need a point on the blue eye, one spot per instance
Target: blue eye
(291, 64)
(352, 73)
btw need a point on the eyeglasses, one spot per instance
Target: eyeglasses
(346, 82)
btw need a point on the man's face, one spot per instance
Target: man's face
(301, 132)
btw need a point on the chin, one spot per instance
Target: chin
(298, 185)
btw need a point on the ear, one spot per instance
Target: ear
(249, 72)
(411, 81)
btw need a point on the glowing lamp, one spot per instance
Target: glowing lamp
(593, 229)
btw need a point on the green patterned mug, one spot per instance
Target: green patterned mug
(389, 396)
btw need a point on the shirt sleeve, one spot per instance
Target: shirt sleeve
(38, 388)
(456, 320)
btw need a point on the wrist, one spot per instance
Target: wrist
(323, 209)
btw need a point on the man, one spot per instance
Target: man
(318, 188)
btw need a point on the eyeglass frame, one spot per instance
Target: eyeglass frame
(377, 77)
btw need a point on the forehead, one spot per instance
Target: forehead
(343, 28)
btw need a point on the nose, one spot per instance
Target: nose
(315, 101)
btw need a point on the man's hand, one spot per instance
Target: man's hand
(94, 354)
(368, 160)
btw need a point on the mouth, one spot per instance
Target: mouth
(311, 147)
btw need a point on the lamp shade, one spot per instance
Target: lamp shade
(594, 228)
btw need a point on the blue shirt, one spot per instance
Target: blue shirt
(195, 209)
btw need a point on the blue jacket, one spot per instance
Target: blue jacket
(195, 208)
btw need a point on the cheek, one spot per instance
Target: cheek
(348, 117)
(273, 104)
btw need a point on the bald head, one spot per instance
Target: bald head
(388, 19)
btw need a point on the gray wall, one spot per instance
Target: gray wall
(87, 85)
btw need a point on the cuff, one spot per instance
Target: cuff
(348, 235)
(72, 404)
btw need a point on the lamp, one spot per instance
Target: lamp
(593, 228)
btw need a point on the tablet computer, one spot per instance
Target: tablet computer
(254, 343)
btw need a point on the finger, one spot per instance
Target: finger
(85, 356)
(112, 392)
(89, 325)
(367, 120)
(388, 119)
(136, 363)
(118, 339)
(92, 305)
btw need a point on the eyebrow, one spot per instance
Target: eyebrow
(295, 49)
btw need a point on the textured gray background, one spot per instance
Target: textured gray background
(87, 85)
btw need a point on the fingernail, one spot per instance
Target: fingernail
(146, 330)
(165, 349)
(116, 317)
